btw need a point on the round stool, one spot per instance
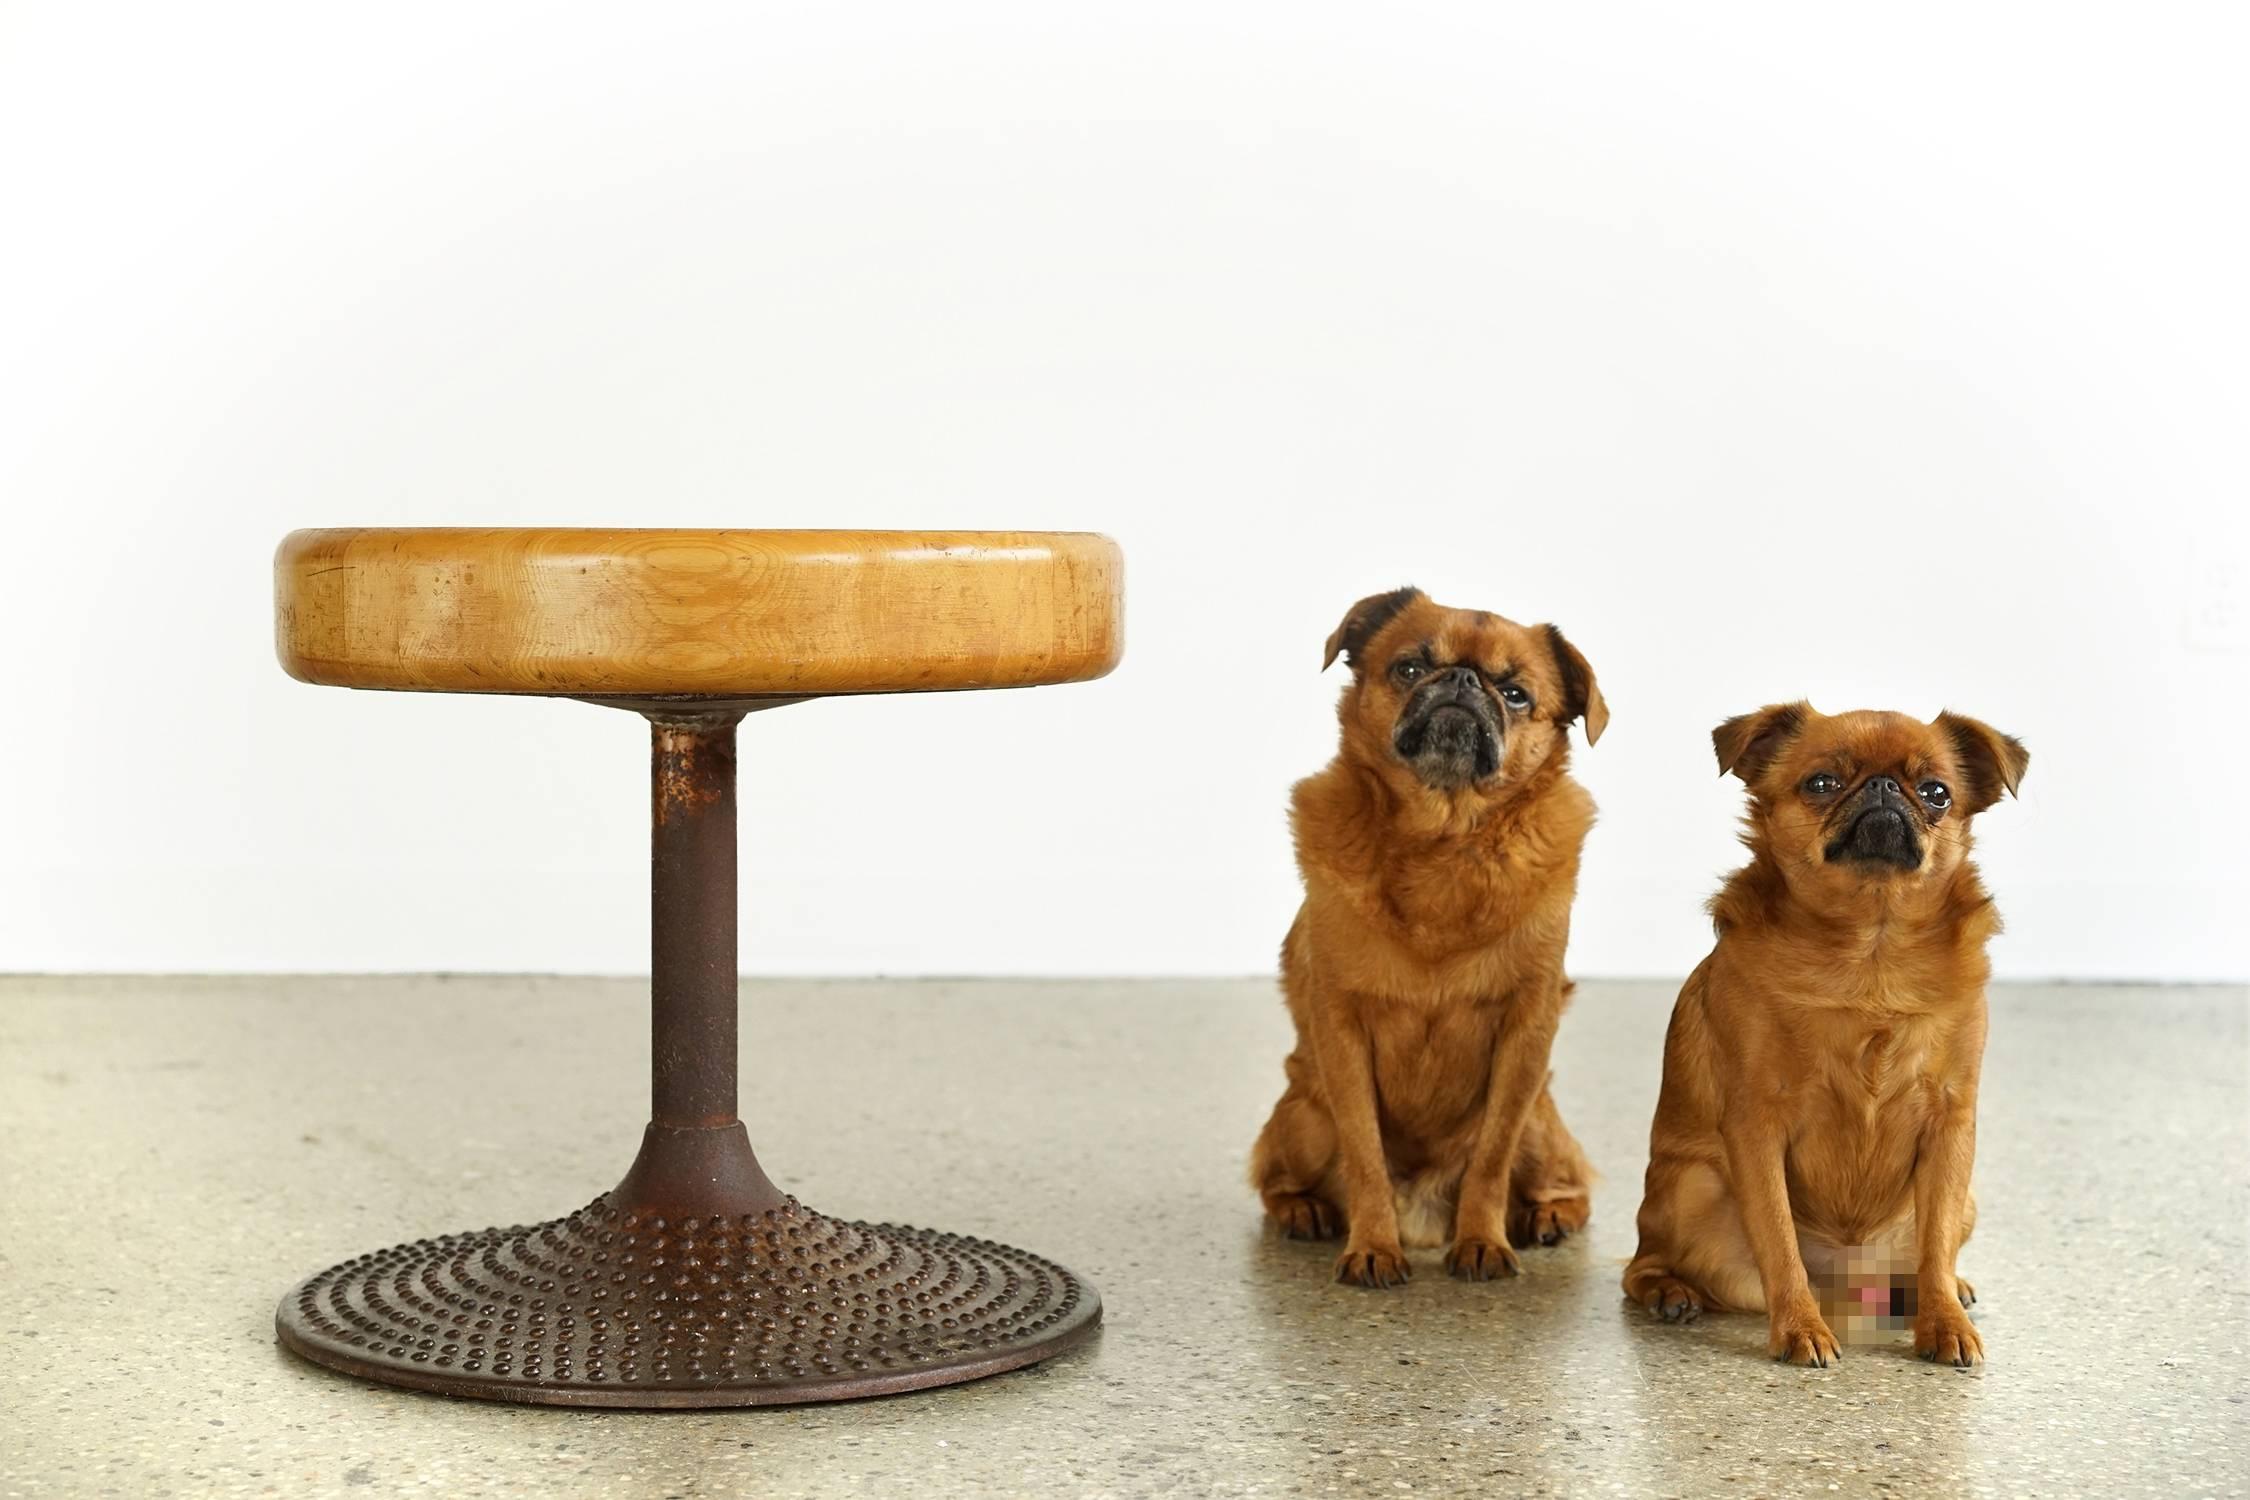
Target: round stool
(695, 1281)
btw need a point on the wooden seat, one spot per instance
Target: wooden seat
(734, 614)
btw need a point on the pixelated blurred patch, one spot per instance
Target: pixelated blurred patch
(1868, 1293)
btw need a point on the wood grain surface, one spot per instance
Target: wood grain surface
(570, 612)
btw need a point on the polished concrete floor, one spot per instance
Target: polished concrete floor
(174, 1153)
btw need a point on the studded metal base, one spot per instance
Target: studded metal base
(615, 1308)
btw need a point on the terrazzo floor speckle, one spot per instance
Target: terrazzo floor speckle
(176, 1153)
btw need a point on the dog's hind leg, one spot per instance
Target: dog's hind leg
(1550, 1193)
(1293, 1167)
(1694, 1256)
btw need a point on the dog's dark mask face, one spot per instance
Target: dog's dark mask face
(1460, 699)
(1450, 728)
(1878, 822)
(1867, 796)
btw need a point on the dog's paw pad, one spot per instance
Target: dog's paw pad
(1375, 1268)
(1481, 1260)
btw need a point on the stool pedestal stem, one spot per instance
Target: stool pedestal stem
(695, 1156)
(692, 924)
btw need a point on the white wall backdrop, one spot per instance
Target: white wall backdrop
(1772, 351)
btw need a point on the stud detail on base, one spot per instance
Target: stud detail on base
(611, 1307)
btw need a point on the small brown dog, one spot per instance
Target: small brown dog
(1424, 971)
(1820, 1076)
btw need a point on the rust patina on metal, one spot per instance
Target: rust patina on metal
(695, 1281)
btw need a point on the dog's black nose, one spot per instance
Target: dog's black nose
(1884, 786)
(1463, 679)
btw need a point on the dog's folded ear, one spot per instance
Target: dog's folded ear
(1361, 622)
(1747, 743)
(1582, 696)
(1991, 762)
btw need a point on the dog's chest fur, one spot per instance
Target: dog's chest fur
(1435, 943)
(1428, 918)
(1861, 1112)
(1874, 1049)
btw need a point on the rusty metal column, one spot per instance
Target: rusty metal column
(695, 1151)
(692, 974)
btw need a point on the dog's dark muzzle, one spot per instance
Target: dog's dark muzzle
(1450, 732)
(1878, 827)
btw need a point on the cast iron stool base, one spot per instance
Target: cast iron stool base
(611, 1308)
(695, 1282)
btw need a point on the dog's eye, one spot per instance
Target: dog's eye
(1408, 670)
(1937, 794)
(1820, 783)
(1514, 696)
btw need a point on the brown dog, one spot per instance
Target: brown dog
(1820, 1076)
(1424, 971)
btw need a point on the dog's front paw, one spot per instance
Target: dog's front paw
(1478, 1259)
(1798, 1335)
(1945, 1335)
(1372, 1265)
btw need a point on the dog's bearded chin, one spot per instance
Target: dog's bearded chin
(1452, 730)
(1880, 835)
(1450, 749)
